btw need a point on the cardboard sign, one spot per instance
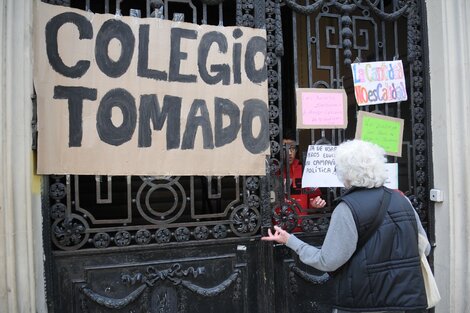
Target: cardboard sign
(132, 96)
(382, 130)
(320, 167)
(379, 82)
(321, 108)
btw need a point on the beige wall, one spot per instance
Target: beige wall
(21, 274)
(449, 39)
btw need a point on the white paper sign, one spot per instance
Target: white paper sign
(379, 82)
(319, 169)
(392, 172)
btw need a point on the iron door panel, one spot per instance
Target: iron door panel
(194, 278)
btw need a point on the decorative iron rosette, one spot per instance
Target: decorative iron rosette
(245, 221)
(69, 233)
(286, 216)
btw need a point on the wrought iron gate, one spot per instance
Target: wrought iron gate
(191, 244)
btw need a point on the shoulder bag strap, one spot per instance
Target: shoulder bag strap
(377, 221)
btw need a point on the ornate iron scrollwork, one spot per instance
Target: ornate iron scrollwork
(122, 238)
(101, 240)
(157, 222)
(143, 237)
(69, 233)
(152, 276)
(152, 185)
(163, 235)
(182, 234)
(201, 232)
(214, 291)
(219, 231)
(112, 303)
(346, 8)
(245, 221)
(358, 27)
(295, 271)
(313, 279)
(286, 216)
(388, 16)
(305, 9)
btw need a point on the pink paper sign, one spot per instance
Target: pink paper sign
(321, 108)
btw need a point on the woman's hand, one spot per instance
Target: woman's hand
(317, 202)
(280, 235)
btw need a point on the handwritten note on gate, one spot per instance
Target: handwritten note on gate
(319, 169)
(321, 108)
(146, 96)
(392, 175)
(382, 130)
(379, 82)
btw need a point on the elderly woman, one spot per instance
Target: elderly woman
(372, 241)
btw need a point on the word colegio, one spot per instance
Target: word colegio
(241, 62)
(114, 29)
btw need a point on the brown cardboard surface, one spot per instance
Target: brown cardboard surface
(94, 154)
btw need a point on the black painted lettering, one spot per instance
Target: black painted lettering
(176, 55)
(75, 97)
(85, 31)
(225, 135)
(114, 29)
(222, 70)
(149, 110)
(236, 60)
(192, 124)
(255, 108)
(237, 57)
(254, 46)
(107, 131)
(143, 58)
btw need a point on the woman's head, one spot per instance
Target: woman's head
(360, 164)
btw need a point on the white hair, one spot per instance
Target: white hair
(360, 164)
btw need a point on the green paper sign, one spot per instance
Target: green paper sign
(382, 130)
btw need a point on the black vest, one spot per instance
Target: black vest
(384, 274)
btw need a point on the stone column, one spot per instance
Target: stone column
(449, 44)
(21, 279)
